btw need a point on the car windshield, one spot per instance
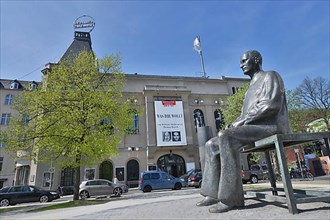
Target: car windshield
(198, 174)
(188, 173)
(4, 190)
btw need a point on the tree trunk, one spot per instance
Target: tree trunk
(76, 179)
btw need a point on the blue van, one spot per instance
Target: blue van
(151, 180)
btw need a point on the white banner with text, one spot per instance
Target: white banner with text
(170, 126)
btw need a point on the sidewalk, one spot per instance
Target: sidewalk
(182, 205)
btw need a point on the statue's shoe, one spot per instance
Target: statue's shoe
(207, 201)
(220, 207)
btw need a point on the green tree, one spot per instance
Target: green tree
(314, 94)
(234, 105)
(233, 111)
(299, 117)
(77, 117)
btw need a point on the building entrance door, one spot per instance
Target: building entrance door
(106, 170)
(173, 164)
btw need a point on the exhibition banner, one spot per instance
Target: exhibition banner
(170, 126)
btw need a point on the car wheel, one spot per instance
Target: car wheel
(4, 202)
(254, 179)
(147, 189)
(84, 194)
(43, 198)
(178, 186)
(200, 184)
(117, 191)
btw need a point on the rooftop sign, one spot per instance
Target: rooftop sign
(84, 22)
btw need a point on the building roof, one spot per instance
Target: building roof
(81, 42)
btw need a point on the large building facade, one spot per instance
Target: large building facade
(171, 106)
(165, 134)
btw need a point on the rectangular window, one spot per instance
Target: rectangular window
(67, 176)
(2, 145)
(134, 129)
(5, 118)
(46, 181)
(9, 99)
(120, 173)
(89, 173)
(152, 167)
(1, 162)
(136, 124)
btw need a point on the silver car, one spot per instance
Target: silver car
(100, 187)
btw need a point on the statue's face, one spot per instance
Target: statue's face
(247, 64)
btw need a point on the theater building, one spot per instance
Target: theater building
(165, 134)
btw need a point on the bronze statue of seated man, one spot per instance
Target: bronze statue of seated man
(264, 113)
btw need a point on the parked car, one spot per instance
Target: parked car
(255, 173)
(189, 173)
(100, 187)
(195, 180)
(12, 195)
(151, 180)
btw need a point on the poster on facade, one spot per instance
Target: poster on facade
(170, 126)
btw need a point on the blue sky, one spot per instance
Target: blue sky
(156, 37)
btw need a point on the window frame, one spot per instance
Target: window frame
(5, 118)
(14, 85)
(135, 128)
(1, 162)
(9, 99)
(91, 173)
(44, 181)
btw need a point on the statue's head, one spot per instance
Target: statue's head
(251, 62)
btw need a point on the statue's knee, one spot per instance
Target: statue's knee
(209, 143)
(222, 134)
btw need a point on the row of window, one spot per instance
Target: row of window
(16, 85)
(200, 122)
(198, 117)
(5, 117)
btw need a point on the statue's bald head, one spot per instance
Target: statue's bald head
(255, 55)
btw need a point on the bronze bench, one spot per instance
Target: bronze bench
(278, 142)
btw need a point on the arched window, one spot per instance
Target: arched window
(199, 118)
(173, 164)
(133, 170)
(106, 170)
(9, 99)
(219, 120)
